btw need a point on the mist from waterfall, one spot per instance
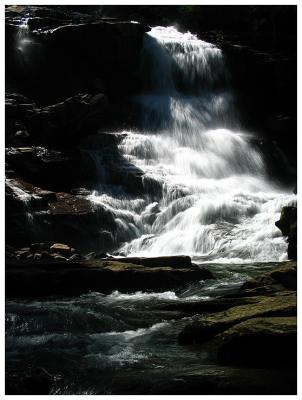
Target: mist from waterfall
(217, 202)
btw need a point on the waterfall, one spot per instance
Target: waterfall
(26, 47)
(23, 37)
(217, 201)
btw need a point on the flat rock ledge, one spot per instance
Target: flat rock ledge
(46, 277)
(261, 330)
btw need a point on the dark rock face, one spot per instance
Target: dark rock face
(33, 214)
(79, 53)
(288, 226)
(63, 149)
(63, 121)
(57, 124)
(42, 166)
(37, 382)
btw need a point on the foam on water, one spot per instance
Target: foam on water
(143, 296)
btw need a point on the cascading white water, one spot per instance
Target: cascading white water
(23, 36)
(217, 202)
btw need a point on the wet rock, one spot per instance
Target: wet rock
(38, 247)
(37, 256)
(45, 255)
(90, 256)
(42, 166)
(287, 219)
(68, 119)
(9, 251)
(38, 193)
(75, 257)
(60, 258)
(204, 306)
(273, 340)
(73, 278)
(61, 248)
(207, 327)
(288, 226)
(69, 50)
(283, 277)
(165, 261)
(22, 254)
(16, 107)
(62, 216)
(37, 381)
(80, 192)
(209, 380)
(101, 140)
(47, 195)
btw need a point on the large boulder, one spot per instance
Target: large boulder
(205, 328)
(266, 341)
(280, 278)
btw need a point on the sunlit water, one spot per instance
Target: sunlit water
(217, 201)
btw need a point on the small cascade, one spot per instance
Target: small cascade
(23, 37)
(217, 201)
(25, 199)
(26, 46)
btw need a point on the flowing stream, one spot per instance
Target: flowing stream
(215, 202)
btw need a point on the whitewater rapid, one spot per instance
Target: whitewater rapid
(217, 202)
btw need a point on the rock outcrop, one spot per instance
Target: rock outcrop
(288, 226)
(273, 340)
(80, 53)
(57, 276)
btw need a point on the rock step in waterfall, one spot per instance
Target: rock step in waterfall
(217, 201)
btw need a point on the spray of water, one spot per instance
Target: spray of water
(217, 202)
